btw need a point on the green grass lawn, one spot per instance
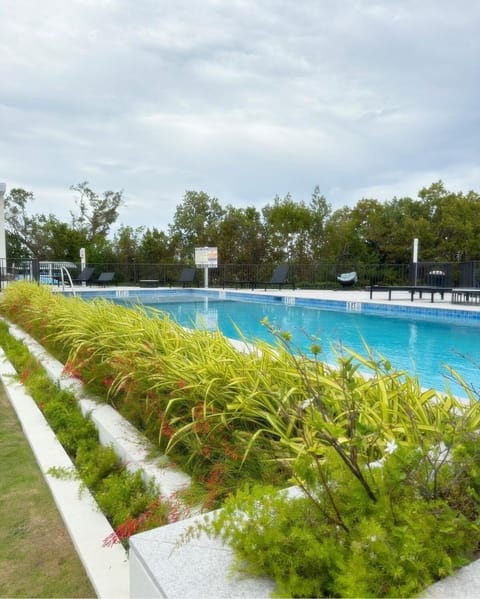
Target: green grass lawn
(37, 558)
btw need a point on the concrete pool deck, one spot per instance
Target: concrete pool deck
(184, 573)
(401, 298)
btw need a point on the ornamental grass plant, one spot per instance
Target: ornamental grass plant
(389, 473)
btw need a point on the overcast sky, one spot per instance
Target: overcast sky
(241, 99)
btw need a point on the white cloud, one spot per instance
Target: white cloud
(242, 99)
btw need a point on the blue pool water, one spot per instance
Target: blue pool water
(420, 345)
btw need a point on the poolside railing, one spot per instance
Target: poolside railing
(312, 275)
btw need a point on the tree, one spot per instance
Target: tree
(195, 224)
(101, 252)
(47, 238)
(16, 250)
(454, 222)
(155, 247)
(341, 239)
(96, 214)
(20, 227)
(287, 229)
(403, 220)
(240, 237)
(41, 236)
(59, 241)
(368, 224)
(320, 210)
(126, 243)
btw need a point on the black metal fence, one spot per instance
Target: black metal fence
(320, 275)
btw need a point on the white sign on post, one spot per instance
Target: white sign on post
(206, 258)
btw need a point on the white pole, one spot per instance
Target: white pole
(83, 259)
(205, 276)
(3, 246)
(415, 250)
(83, 263)
(415, 260)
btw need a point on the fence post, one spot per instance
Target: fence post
(36, 269)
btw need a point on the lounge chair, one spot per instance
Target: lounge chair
(347, 279)
(187, 276)
(279, 278)
(105, 277)
(85, 275)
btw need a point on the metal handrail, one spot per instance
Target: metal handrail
(62, 270)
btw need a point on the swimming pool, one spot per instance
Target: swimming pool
(418, 343)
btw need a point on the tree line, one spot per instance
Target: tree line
(371, 232)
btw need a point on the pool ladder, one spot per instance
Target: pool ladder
(64, 270)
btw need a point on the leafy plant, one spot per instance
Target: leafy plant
(383, 554)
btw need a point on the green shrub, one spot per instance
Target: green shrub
(96, 464)
(394, 547)
(68, 424)
(124, 496)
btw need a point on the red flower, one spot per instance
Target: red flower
(69, 369)
(165, 429)
(132, 525)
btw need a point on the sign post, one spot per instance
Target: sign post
(83, 259)
(83, 263)
(206, 258)
(415, 261)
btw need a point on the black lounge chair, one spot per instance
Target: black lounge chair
(347, 279)
(85, 275)
(105, 278)
(187, 276)
(279, 277)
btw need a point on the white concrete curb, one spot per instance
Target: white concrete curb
(106, 567)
